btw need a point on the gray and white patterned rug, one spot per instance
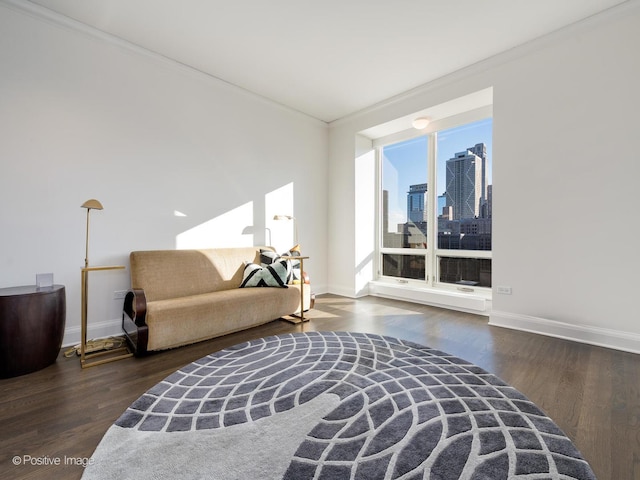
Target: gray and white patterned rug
(334, 405)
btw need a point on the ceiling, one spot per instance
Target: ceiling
(327, 58)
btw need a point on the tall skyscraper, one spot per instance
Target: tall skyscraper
(442, 202)
(480, 149)
(417, 203)
(466, 182)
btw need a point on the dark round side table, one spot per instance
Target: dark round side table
(32, 324)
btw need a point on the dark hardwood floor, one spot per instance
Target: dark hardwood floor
(60, 413)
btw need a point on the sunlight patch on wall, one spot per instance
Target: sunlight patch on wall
(282, 232)
(226, 230)
(364, 206)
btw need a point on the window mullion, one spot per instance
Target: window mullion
(378, 215)
(432, 202)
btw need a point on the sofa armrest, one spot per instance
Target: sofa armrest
(135, 305)
(134, 312)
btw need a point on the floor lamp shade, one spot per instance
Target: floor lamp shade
(91, 204)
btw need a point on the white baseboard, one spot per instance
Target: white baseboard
(342, 292)
(603, 337)
(103, 329)
(318, 289)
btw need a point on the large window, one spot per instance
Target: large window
(436, 207)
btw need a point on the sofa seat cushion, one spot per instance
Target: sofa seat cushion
(184, 320)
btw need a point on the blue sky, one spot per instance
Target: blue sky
(405, 163)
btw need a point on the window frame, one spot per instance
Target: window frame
(432, 253)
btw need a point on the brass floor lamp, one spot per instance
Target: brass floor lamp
(116, 353)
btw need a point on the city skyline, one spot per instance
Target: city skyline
(405, 163)
(465, 220)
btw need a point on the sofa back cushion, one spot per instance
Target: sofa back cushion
(165, 274)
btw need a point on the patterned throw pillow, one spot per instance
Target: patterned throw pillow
(267, 257)
(274, 275)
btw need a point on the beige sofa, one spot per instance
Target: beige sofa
(180, 297)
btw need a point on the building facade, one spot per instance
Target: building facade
(417, 203)
(466, 182)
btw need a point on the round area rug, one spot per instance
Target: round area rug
(334, 405)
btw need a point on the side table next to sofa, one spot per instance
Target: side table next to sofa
(32, 324)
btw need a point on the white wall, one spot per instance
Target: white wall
(566, 122)
(85, 116)
(565, 174)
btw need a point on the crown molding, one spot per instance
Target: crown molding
(566, 32)
(53, 18)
